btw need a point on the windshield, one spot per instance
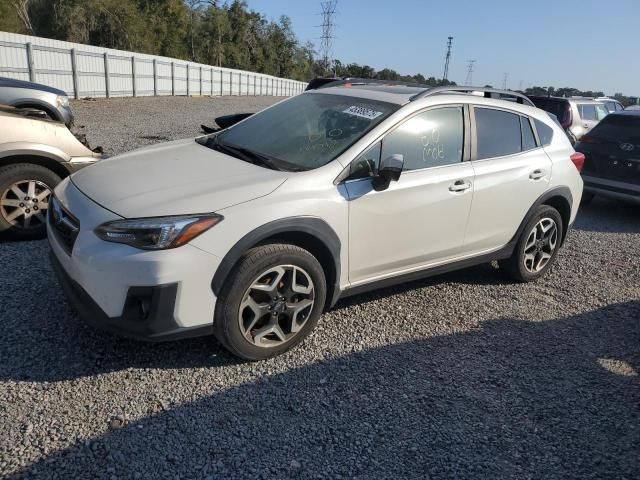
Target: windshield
(305, 132)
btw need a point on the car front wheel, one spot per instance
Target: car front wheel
(24, 198)
(537, 246)
(271, 301)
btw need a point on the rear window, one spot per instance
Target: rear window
(618, 128)
(498, 133)
(552, 105)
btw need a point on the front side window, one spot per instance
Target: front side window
(302, 133)
(366, 165)
(430, 139)
(498, 133)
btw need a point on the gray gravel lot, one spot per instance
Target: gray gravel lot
(460, 376)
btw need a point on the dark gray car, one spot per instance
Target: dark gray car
(22, 94)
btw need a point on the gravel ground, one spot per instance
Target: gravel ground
(459, 376)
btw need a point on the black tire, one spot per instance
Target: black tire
(250, 267)
(19, 172)
(586, 199)
(514, 266)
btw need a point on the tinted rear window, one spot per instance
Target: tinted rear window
(618, 128)
(552, 105)
(498, 133)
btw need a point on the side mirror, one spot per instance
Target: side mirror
(389, 171)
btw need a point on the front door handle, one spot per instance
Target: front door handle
(537, 174)
(460, 186)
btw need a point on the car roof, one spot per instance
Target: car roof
(397, 94)
(402, 94)
(15, 83)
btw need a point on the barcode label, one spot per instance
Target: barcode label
(363, 112)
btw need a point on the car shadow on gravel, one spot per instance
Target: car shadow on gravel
(608, 215)
(513, 399)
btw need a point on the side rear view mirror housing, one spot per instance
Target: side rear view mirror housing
(389, 171)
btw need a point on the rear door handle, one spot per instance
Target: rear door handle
(537, 174)
(460, 186)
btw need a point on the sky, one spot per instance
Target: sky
(586, 44)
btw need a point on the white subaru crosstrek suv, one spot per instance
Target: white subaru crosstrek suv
(251, 232)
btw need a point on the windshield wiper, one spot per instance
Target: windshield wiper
(242, 153)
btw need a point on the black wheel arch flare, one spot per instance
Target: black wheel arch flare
(325, 243)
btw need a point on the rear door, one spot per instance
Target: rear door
(511, 172)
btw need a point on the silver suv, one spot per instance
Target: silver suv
(576, 114)
(21, 94)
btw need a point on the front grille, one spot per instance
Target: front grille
(64, 225)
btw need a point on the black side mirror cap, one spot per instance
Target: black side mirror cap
(389, 171)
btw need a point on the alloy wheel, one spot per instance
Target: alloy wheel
(540, 245)
(276, 306)
(24, 204)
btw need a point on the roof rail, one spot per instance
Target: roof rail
(371, 81)
(488, 93)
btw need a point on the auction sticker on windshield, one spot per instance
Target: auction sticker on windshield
(363, 112)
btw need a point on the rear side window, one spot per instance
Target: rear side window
(497, 133)
(545, 132)
(593, 112)
(430, 139)
(528, 140)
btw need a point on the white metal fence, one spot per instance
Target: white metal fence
(88, 71)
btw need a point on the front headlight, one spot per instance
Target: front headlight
(157, 233)
(62, 102)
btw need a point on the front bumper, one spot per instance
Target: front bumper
(147, 313)
(151, 295)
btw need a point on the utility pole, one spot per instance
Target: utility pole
(326, 39)
(469, 79)
(445, 75)
(505, 78)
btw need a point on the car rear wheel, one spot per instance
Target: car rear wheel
(537, 246)
(271, 301)
(25, 190)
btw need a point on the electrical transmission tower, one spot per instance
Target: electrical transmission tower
(328, 26)
(505, 78)
(445, 75)
(469, 79)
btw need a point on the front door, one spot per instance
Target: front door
(421, 218)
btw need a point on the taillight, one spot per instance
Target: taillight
(567, 117)
(578, 160)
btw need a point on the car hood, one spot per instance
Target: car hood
(175, 178)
